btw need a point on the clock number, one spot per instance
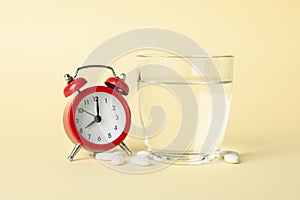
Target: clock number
(105, 100)
(117, 117)
(86, 102)
(89, 135)
(109, 135)
(116, 128)
(99, 138)
(80, 110)
(113, 107)
(77, 120)
(80, 130)
(95, 98)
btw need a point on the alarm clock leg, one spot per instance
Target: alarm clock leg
(125, 148)
(74, 152)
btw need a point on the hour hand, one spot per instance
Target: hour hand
(90, 124)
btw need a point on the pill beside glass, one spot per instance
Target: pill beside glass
(143, 158)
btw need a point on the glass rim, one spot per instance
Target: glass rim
(183, 56)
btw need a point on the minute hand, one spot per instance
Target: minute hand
(97, 106)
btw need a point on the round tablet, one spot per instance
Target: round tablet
(143, 153)
(104, 156)
(224, 152)
(139, 160)
(117, 160)
(231, 158)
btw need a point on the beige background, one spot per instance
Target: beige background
(40, 41)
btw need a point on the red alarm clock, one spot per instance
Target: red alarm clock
(98, 118)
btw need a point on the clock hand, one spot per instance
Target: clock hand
(90, 124)
(97, 106)
(97, 119)
(87, 112)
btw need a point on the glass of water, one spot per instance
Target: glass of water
(184, 104)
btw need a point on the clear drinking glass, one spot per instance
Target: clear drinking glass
(184, 105)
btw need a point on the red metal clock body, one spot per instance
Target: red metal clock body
(97, 118)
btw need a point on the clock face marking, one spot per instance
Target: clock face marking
(100, 118)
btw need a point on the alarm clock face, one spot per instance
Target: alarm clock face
(100, 117)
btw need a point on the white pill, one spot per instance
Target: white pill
(119, 152)
(224, 152)
(104, 156)
(143, 153)
(231, 158)
(139, 160)
(117, 160)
